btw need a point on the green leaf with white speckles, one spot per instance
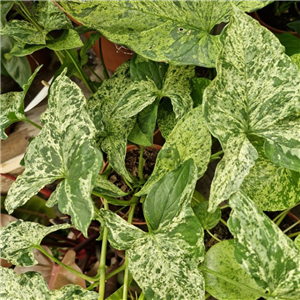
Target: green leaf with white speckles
(296, 59)
(255, 92)
(297, 242)
(172, 31)
(64, 149)
(32, 286)
(24, 32)
(12, 106)
(19, 238)
(220, 258)
(189, 139)
(50, 17)
(164, 263)
(271, 187)
(263, 250)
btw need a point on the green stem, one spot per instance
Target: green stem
(114, 272)
(224, 222)
(216, 156)
(116, 201)
(126, 273)
(102, 266)
(292, 226)
(95, 74)
(296, 8)
(32, 123)
(105, 73)
(142, 296)
(28, 15)
(91, 279)
(213, 236)
(141, 165)
(294, 234)
(225, 278)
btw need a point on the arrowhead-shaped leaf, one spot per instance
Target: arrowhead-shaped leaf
(263, 250)
(271, 187)
(12, 106)
(220, 258)
(32, 286)
(64, 149)
(172, 31)
(164, 262)
(256, 92)
(19, 238)
(189, 139)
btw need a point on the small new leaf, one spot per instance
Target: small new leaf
(19, 238)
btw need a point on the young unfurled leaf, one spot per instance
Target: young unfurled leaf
(189, 139)
(32, 286)
(271, 187)
(220, 258)
(263, 250)
(172, 31)
(12, 106)
(19, 238)
(64, 149)
(164, 262)
(256, 92)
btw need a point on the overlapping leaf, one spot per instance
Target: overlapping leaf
(189, 139)
(164, 262)
(32, 286)
(19, 238)
(220, 258)
(64, 149)
(172, 31)
(12, 106)
(271, 187)
(256, 92)
(263, 250)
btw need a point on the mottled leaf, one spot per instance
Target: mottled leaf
(271, 187)
(64, 149)
(263, 250)
(12, 106)
(167, 194)
(24, 32)
(257, 87)
(106, 188)
(32, 286)
(50, 17)
(297, 242)
(296, 59)
(189, 139)
(19, 238)
(112, 129)
(220, 258)
(172, 31)
(164, 262)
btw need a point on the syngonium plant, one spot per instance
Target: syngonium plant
(252, 107)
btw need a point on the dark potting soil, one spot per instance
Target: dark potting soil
(267, 14)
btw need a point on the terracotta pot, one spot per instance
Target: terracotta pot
(272, 29)
(135, 221)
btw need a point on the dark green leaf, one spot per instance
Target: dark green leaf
(167, 194)
(290, 42)
(198, 85)
(88, 44)
(295, 25)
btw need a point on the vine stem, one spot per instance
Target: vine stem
(216, 156)
(102, 266)
(32, 123)
(126, 273)
(213, 236)
(245, 287)
(91, 279)
(292, 226)
(105, 73)
(141, 165)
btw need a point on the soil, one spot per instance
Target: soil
(267, 14)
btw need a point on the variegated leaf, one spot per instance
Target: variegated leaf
(198, 86)
(257, 87)
(189, 139)
(271, 187)
(12, 106)
(106, 188)
(24, 32)
(50, 17)
(32, 286)
(296, 59)
(220, 258)
(19, 238)
(172, 31)
(64, 149)
(263, 250)
(112, 129)
(297, 242)
(163, 262)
